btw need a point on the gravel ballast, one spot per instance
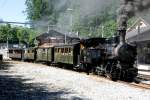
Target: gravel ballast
(41, 82)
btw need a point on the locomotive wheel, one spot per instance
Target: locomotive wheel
(112, 71)
(99, 71)
(113, 75)
(128, 77)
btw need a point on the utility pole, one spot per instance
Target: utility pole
(138, 33)
(65, 38)
(11, 22)
(70, 11)
(7, 48)
(102, 31)
(48, 28)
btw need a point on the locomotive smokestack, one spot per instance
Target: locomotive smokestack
(123, 13)
(124, 52)
(128, 9)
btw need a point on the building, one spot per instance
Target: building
(4, 50)
(54, 38)
(139, 33)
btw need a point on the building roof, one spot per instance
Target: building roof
(141, 34)
(53, 33)
(139, 21)
(144, 35)
(46, 45)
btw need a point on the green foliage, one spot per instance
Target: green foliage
(5, 32)
(43, 9)
(103, 21)
(110, 27)
(26, 35)
(21, 34)
(100, 25)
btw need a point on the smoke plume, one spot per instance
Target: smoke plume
(81, 10)
(128, 9)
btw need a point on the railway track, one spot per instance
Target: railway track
(143, 81)
(141, 84)
(144, 77)
(141, 77)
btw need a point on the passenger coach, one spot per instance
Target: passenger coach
(67, 54)
(16, 53)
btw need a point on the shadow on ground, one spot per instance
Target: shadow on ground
(16, 88)
(5, 65)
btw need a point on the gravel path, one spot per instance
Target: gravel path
(27, 81)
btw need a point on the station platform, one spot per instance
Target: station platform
(144, 67)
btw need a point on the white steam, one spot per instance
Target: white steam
(79, 10)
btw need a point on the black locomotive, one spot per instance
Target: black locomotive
(107, 57)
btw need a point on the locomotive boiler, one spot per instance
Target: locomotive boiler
(124, 56)
(125, 53)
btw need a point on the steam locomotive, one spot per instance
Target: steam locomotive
(102, 56)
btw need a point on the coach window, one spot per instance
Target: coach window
(10, 51)
(17, 51)
(66, 50)
(43, 50)
(59, 50)
(62, 50)
(69, 50)
(32, 51)
(56, 50)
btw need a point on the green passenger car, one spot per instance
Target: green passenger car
(29, 54)
(44, 54)
(67, 54)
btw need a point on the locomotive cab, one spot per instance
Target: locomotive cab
(91, 53)
(91, 56)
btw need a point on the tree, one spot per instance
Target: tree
(44, 10)
(26, 35)
(5, 32)
(15, 33)
(85, 21)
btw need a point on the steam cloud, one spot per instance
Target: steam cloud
(128, 9)
(81, 9)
